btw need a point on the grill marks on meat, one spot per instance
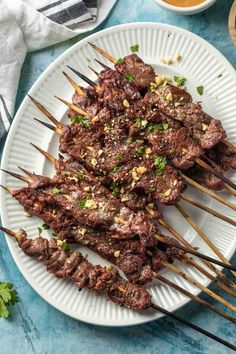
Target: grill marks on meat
(207, 130)
(205, 178)
(142, 73)
(73, 266)
(223, 157)
(88, 102)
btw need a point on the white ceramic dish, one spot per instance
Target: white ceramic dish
(201, 64)
(186, 10)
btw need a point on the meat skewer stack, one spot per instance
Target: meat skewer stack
(126, 149)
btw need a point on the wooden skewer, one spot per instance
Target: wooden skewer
(47, 114)
(49, 126)
(207, 209)
(193, 252)
(103, 53)
(230, 190)
(203, 164)
(85, 78)
(193, 281)
(203, 235)
(166, 312)
(94, 71)
(46, 154)
(193, 297)
(16, 175)
(74, 107)
(230, 145)
(77, 88)
(187, 244)
(102, 64)
(208, 192)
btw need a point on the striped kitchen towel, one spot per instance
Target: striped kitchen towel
(28, 25)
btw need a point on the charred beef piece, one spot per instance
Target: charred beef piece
(73, 266)
(223, 157)
(136, 70)
(177, 104)
(205, 178)
(88, 102)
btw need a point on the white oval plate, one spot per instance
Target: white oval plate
(201, 64)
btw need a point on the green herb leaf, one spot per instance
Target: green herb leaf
(200, 90)
(139, 150)
(56, 190)
(129, 77)
(138, 122)
(81, 203)
(8, 296)
(66, 246)
(40, 230)
(80, 119)
(149, 127)
(120, 61)
(180, 80)
(53, 234)
(115, 169)
(45, 226)
(134, 48)
(162, 127)
(220, 75)
(115, 187)
(117, 158)
(160, 163)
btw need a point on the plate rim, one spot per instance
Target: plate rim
(5, 155)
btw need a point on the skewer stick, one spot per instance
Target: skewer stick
(217, 282)
(195, 253)
(49, 126)
(7, 189)
(230, 145)
(196, 283)
(160, 309)
(73, 106)
(44, 153)
(216, 173)
(102, 64)
(193, 297)
(77, 88)
(94, 71)
(207, 209)
(208, 192)
(85, 78)
(230, 190)
(187, 244)
(103, 53)
(16, 175)
(46, 112)
(203, 235)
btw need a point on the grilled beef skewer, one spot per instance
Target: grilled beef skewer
(73, 266)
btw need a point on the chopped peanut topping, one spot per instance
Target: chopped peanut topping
(204, 127)
(177, 104)
(168, 192)
(59, 243)
(184, 150)
(141, 170)
(90, 204)
(117, 254)
(95, 119)
(159, 80)
(87, 189)
(94, 162)
(169, 96)
(148, 151)
(119, 220)
(175, 182)
(126, 103)
(177, 57)
(90, 148)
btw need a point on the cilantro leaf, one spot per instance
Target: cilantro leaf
(180, 80)
(45, 226)
(129, 77)
(115, 169)
(65, 246)
(115, 187)
(160, 163)
(56, 190)
(81, 203)
(120, 61)
(8, 296)
(200, 90)
(80, 119)
(138, 122)
(40, 230)
(134, 48)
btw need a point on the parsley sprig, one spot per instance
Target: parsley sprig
(134, 48)
(80, 119)
(180, 80)
(8, 296)
(160, 164)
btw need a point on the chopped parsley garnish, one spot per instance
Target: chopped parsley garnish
(115, 169)
(149, 127)
(117, 158)
(160, 163)
(56, 190)
(8, 296)
(139, 150)
(40, 230)
(120, 61)
(115, 187)
(81, 203)
(138, 122)
(161, 127)
(134, 48)
(180, 80)
(80, 119)
(220, 75)
(165, 83)
(53, 234)
(200, 90)
(45, 226)
(129, 77)
(65, 246)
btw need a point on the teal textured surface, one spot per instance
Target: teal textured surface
(36, 327)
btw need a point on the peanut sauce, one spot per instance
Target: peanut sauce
(184, 3)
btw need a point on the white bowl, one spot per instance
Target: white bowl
(186, 10)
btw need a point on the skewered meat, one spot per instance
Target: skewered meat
(73, 266)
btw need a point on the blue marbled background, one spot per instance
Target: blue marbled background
(36, 327)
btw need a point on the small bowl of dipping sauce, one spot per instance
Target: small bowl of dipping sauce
(185, 7)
